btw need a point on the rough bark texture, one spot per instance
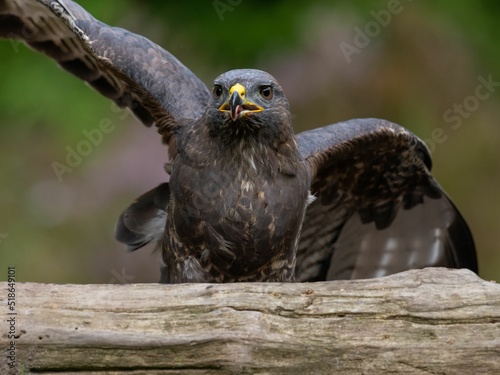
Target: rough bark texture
(432, 321)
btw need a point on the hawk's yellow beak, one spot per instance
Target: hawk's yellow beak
(237, 105)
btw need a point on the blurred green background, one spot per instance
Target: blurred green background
(413, 69)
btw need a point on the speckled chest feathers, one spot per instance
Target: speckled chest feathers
(239, 192)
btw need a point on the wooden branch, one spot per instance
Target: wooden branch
(418, 322)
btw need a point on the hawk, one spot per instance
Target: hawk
(248, 200)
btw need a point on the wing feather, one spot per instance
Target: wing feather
(144, 220)
(123, 66)
(378, 209)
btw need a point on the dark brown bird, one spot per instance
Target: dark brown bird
(239, 187)
(247, 199)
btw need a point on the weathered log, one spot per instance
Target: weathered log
(433, 321)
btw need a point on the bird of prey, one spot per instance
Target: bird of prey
(248, 200)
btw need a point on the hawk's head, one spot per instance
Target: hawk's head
(248, 103)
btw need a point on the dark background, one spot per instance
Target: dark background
(413, 69)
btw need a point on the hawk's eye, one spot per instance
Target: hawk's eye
(266, 92)
(217, 91)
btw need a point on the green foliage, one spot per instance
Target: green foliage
(410, 79)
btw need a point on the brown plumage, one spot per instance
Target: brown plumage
(238, 188)
(241, 181)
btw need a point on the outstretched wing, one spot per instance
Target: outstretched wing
(123, 66)
(377, 210)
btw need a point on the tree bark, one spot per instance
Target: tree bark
(431, 321)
